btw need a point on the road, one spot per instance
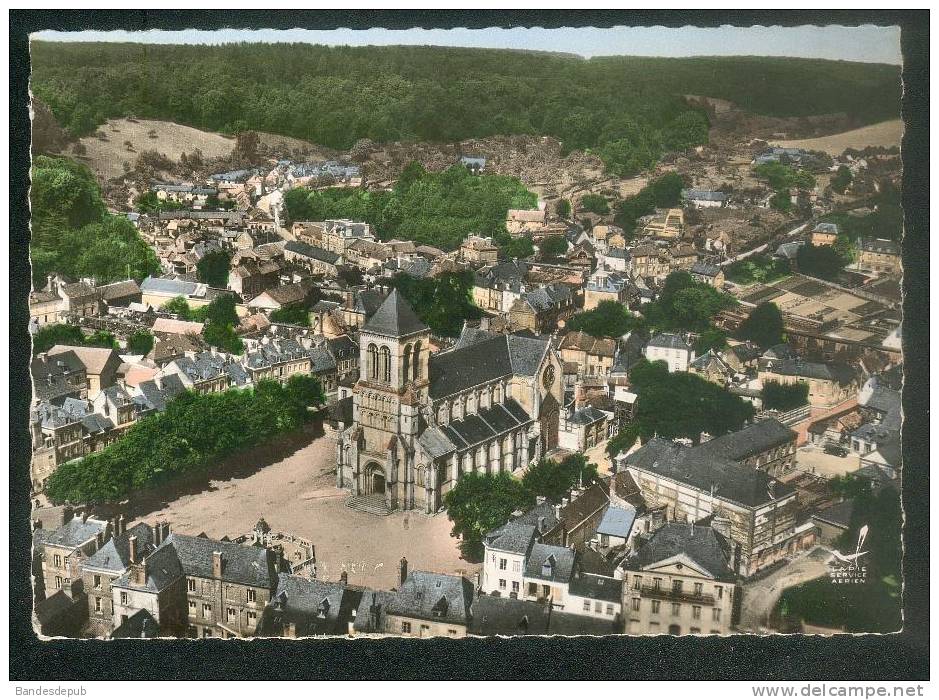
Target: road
(759, 597)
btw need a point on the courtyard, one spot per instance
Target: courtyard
(297, 495)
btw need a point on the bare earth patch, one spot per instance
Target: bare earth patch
(297, 495)
(106, 157)
(885, 134)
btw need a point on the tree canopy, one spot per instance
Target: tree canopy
(194, 432)
(664, 191)
(66, 334)
(609, 319)
(595, 203)
(763, 326)
(73, 234)
(825, 262)
(443, 302)
(686, 305)
(213, 268)
(784, 397)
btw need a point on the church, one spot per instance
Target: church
(416, 421)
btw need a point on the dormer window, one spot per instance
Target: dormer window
(548, 567)
(324, 607)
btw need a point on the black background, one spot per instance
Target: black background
(843, 657)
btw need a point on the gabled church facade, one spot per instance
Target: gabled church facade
(420, 421)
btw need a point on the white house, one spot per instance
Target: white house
(672, 349)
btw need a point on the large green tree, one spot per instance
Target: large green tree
(609, 319)
(763, 326)
(443, 302)
(213, 268)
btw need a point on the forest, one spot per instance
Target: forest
(629, 110)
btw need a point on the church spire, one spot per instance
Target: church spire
(395, 318)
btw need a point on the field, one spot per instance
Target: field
(885, 134)
(106, 157)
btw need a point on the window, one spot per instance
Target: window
(252, 595)
(587, 605)
(405, 628)
(609, 608)
(503, 564)
(191, 585)
(695, 630)
(58, 582)
(231, 615)
(452, 633)
(252, 618)
(516, 567)
(385, 363)
(637, 582)
(676, 586)
(515, 586)
(97, 604)
(676, 608)
(56, 560)
(598, 607)
(656, 606)
(206, 610)
(192, 632)
(636, 604)
(656, 584)
(546, 591)
(192, 607)
(502, 583)
(698, 589)
(532, 589)
(123, 598)
(206, 632)
(66, 562)
(716, 614)
(97, 581)
(696, 612)
(720, 592)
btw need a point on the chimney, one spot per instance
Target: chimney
(216, 564)
(564, 503)
(557, 511)
(402, 571)
(165, 531)
(42, 357)
(84, 516)
(539, 500)
(290, 630)
(344, 578)
(132, 546)
(99, 540)
(140, 572)
(122, 524)
(157, 533)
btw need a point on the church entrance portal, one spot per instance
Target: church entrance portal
(550, 422)
(375, 479)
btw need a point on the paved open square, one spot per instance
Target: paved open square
(298, 495)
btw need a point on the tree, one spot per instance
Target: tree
(296, 315)
(221, 311)
(553, 479)
(563, 208)
(443, 302)
(609, 319)
(57, 334)
(515, 248)
(479, 503)
(823, 262)
(140, 343)
(553, 246)
(213, 268)
(595, 203)
(223, 337)
(842, 179)
(178, 306)
(101, 339)
(784, 397)
(764, 326)
(711, 339)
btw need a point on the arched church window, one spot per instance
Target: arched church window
(420, 475)
(406, 359)
(417, 360)
(372, 361)
(497, 394)
(385, 363)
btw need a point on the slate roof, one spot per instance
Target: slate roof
(617, 521)
(597, 587)
(395, 318)
(825, 227)
(249, 566)
(495, 615)
(838, 514)
(310, 251)
(162, 285)
(115, 554)
(140, 625)
(471, 363)
(119, 290)
(313, 607)
(751, 440)
(704, 471)
(485, 425)
(548, 297)
(703, 195)
(586, 416)
(703, 545)
(75, 532)
(548, 562)
(831, 371)
(432, 596)
(518, 534)
(705, 269)
(883, 246)
(669, 340)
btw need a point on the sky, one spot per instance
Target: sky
(866, 43)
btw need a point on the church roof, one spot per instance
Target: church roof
(395, 317)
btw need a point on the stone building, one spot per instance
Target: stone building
(416, 422)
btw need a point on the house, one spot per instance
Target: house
(56, 377)
(693, 483)
(426, 604)
(649, 262)
(122, 293)
(680, 580)
(879, 255)
(497, 287)
(520, 221)
(582, 256)
(338, 234)
(250, 277)
(496, 615)
(315, 260)
(101, 365)
(543, 309)
(475, 164)
(302, 607)
(45, 307)
(709, 273)
(593, 356)
(824, 234)
(704, 199)
(767, 445)
(616, 527)
(173, 326)
(479, 251)
(507, 548)
(617, 259)
(156, 291)
(712, 367)
(583, 429)
(829, 383)
(834, 521)
(682, 257)
(671, 349)
(64, 549)
(282, 296)
(604, 285)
